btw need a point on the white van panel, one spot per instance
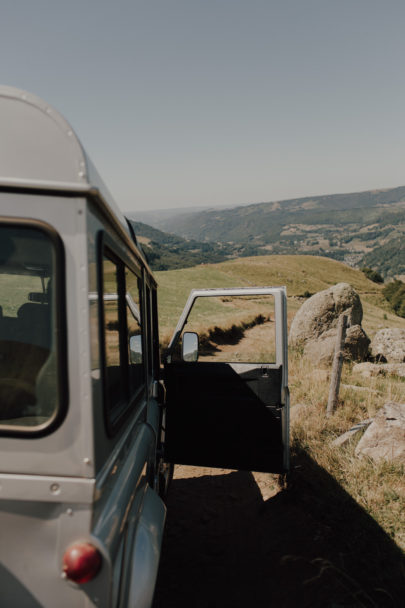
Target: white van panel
(68, 450)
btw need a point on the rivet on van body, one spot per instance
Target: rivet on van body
(86, 460)
(55, 488)
(69, 512)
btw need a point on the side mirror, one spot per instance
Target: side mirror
(135, 349)
(190, 347)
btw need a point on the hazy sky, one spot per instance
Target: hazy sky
(211, 102)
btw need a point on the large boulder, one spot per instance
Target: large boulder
(315, 325)
(322, 350)
(385, 437)
(321, 313)
(388, 345)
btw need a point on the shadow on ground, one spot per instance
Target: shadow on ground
(308, 546)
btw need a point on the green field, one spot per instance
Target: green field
(300, 274)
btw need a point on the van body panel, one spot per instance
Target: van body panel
(116, 490)
(144, 561)
(37, 142)
(31, 574)
(67, 450)
(46, 488)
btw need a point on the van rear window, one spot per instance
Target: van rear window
(29, 377)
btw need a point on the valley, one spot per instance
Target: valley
(361, 229)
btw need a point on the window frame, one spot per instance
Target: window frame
(60, 331)
(108, 248)
(141, 289)
(155, 333)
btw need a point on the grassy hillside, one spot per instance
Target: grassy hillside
(302, 275)
(364, 228)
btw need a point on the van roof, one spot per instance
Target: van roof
(39, 150)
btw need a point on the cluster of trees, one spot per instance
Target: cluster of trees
(373, 275)
(389, 258)
(394, 292)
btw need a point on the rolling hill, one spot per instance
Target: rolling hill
(302, 275)
(364, 228)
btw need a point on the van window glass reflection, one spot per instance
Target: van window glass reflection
(28, 359)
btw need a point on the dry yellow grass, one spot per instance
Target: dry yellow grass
(378, 488)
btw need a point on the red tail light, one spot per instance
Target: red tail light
(81, 562)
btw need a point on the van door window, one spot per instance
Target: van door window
(29, 360)
(234, 329)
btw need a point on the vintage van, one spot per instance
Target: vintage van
(87, 438)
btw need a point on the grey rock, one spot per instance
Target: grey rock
(322, 350)
(388, 345)
(342, 439)
(356, 344)
(385, 437)
(359, 389)
(321, 312)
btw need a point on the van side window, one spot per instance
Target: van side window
(30, 362)
(124, 377)
(115, 380)
(134, 328)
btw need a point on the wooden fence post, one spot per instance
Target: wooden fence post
(337, 366)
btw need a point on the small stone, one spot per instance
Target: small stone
(388, 345)
(385, 437)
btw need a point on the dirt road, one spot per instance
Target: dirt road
(236, 539)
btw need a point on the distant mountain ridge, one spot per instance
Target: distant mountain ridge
(359, 228)
(167, 251)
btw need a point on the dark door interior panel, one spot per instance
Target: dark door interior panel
(220, 418)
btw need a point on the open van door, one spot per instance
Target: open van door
(227, 400)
